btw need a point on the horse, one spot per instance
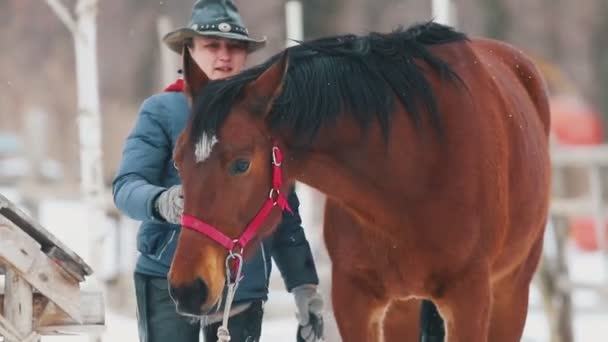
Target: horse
(434, 144)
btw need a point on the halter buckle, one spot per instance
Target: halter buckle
(234, 257)
(275, 158)
(235, 249)
(274, 195)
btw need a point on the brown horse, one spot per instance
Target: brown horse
(433, 143)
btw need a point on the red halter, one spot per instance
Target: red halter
(275, 197)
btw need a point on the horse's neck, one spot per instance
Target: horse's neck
(367, 176)
(354, 186)
(348, 188)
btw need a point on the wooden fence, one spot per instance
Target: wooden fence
(587, 199)
(40, 294)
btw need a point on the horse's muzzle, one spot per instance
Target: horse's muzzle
(190, 298)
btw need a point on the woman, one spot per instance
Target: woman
(147, 188)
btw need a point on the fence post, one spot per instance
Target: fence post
(597, 198)
(18, 303)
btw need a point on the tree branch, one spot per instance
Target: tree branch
(83, 6)
(63, 14)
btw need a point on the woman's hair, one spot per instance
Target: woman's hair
(188, 42)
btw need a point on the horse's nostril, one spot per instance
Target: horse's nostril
(190, 298)
(200, 288)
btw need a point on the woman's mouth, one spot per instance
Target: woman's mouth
(224, 69)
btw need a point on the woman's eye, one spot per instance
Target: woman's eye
(237, 46)
(239, 166)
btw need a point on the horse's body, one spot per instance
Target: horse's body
(449, 207)
(457, 223)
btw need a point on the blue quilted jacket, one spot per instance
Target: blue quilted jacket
(146, 169)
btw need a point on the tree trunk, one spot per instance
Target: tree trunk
(497, 18)
(600, 60)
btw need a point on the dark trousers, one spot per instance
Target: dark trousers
(244, 327)
(158, 321)
(431, 325)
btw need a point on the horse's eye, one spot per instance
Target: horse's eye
(239, 166)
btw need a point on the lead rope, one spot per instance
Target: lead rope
(223, 335)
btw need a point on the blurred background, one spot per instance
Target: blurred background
(61, 139)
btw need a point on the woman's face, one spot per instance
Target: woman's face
(219, 57)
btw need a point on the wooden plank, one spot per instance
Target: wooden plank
(597, 196)
(576, 206)
(40, 271)
(60, 258)
(545, 279)
(92, 312)
(32, 337)
(47, 316)
(560, 323)
(71, 330)
(40, 234)
(580, 155)
(567, 285)
(17, 249)
(8, 331)
(18, 303)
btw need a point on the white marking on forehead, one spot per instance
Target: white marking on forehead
(204, 146)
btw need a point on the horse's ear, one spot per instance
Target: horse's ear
(268, 86)
(178, 150)
(194, 77)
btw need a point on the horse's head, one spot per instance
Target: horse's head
(229, 175)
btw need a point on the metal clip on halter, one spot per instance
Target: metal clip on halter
(223, 335)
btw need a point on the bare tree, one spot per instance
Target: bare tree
(83, 27)
(600, 60)
(496, 18)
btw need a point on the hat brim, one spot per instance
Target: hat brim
(175, 39)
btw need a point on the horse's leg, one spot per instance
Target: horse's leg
(510, 304)
(465, 306)
(401, 321)
(358, 297)
(358, 312)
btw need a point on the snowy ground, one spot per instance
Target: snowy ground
(591, 319)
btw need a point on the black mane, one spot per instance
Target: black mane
(360, 75)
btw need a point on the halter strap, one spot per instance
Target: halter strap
(275, 198)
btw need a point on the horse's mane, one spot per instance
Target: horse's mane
(360, 75)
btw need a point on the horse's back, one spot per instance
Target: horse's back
(519, 91)
(498, 118)
(523, 68)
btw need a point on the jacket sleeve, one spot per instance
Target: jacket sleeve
(291, 251)
(145, 154)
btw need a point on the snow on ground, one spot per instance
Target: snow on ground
(67, 220)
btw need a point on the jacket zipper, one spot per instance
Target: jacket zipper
(160, 255)
(264, 261)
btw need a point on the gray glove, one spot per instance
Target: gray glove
(310, 313)
(170, 204)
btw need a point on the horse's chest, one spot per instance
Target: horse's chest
(353, 248)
